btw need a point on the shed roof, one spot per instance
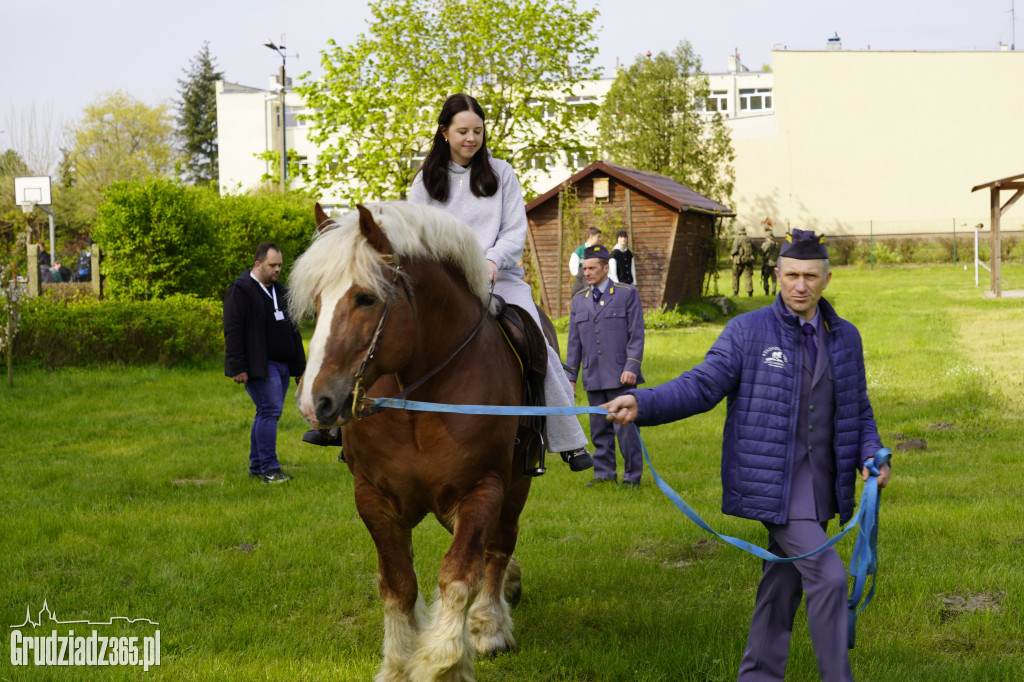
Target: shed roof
(1001, 182)
(659, 187)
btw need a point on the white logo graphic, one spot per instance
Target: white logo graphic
(81, 650)
(774, 357)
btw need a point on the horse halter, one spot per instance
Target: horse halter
(358, 393)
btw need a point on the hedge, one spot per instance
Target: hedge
(85, 331)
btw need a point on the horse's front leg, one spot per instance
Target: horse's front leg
(490, 621)
(404, 609)
(444, 651)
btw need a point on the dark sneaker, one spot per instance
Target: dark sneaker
(631, 484)
(578, 459)
(277, 476)
(599, 481)
(323, 438)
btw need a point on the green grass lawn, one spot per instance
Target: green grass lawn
(123, 492)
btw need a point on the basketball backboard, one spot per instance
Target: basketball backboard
(32, 191)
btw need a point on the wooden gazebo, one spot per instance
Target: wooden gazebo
(1014, 184)
(671, 232)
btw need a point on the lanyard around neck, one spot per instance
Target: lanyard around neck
(269, 291)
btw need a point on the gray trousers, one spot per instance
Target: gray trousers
(823, 578)
(562, 433)
(603, 434)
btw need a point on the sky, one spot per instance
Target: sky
(67, 53)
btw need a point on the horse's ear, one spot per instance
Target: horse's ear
(371, 230)
(322, 219)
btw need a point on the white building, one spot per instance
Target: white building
(248, 121)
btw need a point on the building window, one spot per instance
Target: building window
(581, 101)
(292, 119)
(718, 100)
(547, 114)
(576, 160)
(759, 99)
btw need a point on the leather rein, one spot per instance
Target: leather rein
(358, 392)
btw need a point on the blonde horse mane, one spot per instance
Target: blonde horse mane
(340, 255)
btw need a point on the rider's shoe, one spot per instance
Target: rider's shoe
(578, 459)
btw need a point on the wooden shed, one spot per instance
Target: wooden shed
(671, 232)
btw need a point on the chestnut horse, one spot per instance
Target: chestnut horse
(397, 288)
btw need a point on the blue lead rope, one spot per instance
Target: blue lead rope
(863, 562)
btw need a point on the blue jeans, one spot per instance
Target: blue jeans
(268, 395)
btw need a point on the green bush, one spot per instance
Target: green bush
(841, 250)
(161, 238)
(243, 221)
(906, 248)
(157, 240)
(85, 331)
(683, 315)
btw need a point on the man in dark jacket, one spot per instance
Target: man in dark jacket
(262, 349)
(798, 428)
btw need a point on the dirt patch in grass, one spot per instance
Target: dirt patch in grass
(953, 606)
(677, 555)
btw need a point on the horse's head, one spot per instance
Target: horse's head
(353, 276)
(355, 283)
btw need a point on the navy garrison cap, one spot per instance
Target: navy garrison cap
(596, 251)
(803, 245)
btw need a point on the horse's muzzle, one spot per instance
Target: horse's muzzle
(332, 401)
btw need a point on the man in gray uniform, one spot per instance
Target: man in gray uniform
(606, 335)
(798, 428)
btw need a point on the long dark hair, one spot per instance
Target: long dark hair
(483, 181)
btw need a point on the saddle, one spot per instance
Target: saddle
(528, 343)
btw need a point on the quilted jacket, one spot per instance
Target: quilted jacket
(755, 364)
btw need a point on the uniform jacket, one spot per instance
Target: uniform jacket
(742, 250)
(245, 324)
(770, 252)
(756, 364)
(607, 339)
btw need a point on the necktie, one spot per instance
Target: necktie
(810, 343)
(597, 296)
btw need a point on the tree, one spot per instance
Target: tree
(119, 138)
(197, 117)
(13, 222)
(653, 119)
(374, 112)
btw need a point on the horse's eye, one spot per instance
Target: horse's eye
(365, 300)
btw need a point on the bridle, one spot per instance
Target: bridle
(365, 407)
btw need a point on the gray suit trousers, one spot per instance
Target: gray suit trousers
(823, 578)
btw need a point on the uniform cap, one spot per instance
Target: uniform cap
(804, 245)
(596, 251)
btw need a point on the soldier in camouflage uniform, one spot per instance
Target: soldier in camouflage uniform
(769, 257)
(742, 257)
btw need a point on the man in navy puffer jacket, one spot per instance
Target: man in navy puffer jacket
(798, 428)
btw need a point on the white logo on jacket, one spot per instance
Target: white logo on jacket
(774, 357)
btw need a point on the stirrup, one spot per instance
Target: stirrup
(538, 470)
